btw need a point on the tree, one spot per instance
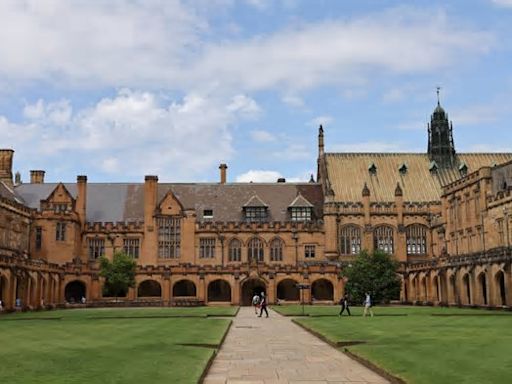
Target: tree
(374, 273)
(119, 274)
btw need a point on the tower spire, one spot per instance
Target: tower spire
(438, 88)
(441, 148)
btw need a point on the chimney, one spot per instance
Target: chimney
(150, 196)
(37, 177)
(223, 173)
(81, 198)
(6, 166)
(281, 180)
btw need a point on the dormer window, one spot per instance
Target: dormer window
(433, 167)
(208, 214)
(402, 169)
(372, 168)
(300, 209)
(255, 210)
(463, 169)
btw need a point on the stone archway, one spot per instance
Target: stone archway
(184, 288)
(287, 290)
(149, 288)
(251, 287)
(501, 289)
(467, 288)
(3, 289)
(74, 291)
(482, 280)
(322, 290)
(219, 290)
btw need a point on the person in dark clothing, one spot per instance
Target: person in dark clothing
(344, 305)
(263, 304)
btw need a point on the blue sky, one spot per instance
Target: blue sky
(116, 90)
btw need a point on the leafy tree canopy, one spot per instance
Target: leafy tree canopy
(119, 274)
(375, 273)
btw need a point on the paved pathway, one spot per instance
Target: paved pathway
(275, 350)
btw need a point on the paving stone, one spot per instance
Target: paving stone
(275, 350)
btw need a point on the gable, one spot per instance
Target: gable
(170, 205)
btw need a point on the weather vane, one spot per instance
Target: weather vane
(438, 89)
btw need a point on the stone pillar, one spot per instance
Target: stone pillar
(81, 199)
(271, 291)
(150, 242)
(235, 291)
(166, 289)
(6, 156)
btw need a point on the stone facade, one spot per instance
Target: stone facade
(445, 216)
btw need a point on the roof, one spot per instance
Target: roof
(8, 193)
(125, 201)
(348, 172)
(255, 201)
(300, 202)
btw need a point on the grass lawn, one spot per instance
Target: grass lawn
(79, 347)
(468, 346)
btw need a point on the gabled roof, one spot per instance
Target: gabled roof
(348, 172)
(7, 193)
(300, 202)
(255, 201)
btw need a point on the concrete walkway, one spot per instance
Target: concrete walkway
(275, 350)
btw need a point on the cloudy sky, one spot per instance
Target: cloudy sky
(120, 89)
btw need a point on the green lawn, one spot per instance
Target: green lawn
(80, 348)
(467, 346)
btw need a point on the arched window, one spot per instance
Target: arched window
(350, 240)
(255, 250)
(383, 239)
(276, 250)
(235, 250)
(416, 239)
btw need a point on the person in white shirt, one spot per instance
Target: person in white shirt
(256, 302)
(367, 305)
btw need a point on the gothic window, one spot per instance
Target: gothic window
(255, 250)
(96, 248)
(235, 250)
(60, 231)
(255, 214)
(350, 240)
(131, 247)
(416, 239)
(300, 214)
(169, 237)
(39, 237)
(309, 251)
(276, 250)
(207, 248)
(499, 223)
(383, 239)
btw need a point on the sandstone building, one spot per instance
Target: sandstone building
(444, 215)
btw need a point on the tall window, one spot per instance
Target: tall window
(235, 250)
(416, 239)
(60, 231)
(131, 247)
(255, 250)
(276, 250)
(96, 248)
(383, 239)
(207, 247)
(60, 207)
(309, 251)
(39, 237)
(350, 240)
(499, 223)
(477, 206)
(256, 214)
(300, 214)
(169, 237)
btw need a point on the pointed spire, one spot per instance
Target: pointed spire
(398, 190)
(366, 190)
(438, 88)
(312, 179)
(440, 136)
(320, 141)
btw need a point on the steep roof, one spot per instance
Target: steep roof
(7, 193)
(300, 202)
(125, 201)
(348, 172)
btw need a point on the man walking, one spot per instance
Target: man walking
(367, 305)
(344, 305)
(263, 304)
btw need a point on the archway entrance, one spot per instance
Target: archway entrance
(287, 290)
(500, 282)
(465, 281)
(219, 290)
(483, 288)
(3, 289)
(184, 288)
(250, 288)
(322, 290)
(74, 291)
(149, 288)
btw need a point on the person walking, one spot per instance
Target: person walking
(263, 304)
(256, 303)
(344, 305)
(367, 305)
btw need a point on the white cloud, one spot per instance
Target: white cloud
(244, 105)
(503, 3)
(167, 45)
(262, 136)
(293, 101)
(131, 134)
(323, 120)
(258, 176)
